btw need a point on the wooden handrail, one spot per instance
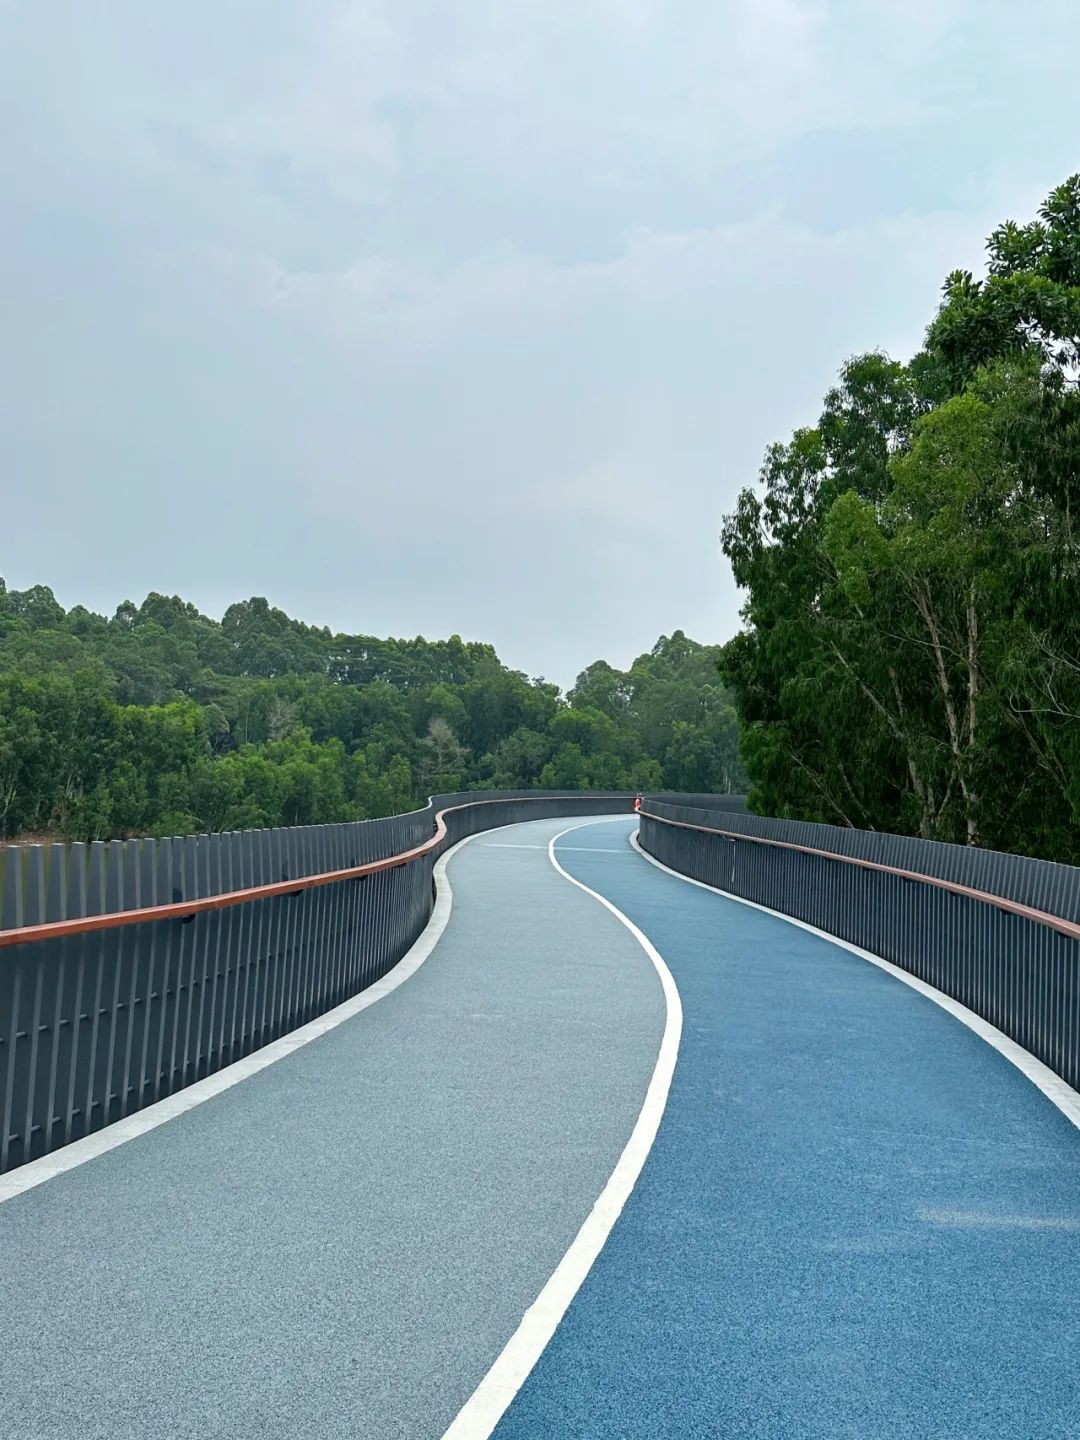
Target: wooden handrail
(1012, 907)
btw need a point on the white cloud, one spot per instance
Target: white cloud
(304, 299)
(401, 309)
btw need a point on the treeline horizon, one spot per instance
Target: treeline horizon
(911, 653)
(161, 720)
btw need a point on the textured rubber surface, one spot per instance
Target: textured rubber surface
(858, 1221)
(340, 1245)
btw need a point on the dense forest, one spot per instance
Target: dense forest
(911, 654)
(159, 720)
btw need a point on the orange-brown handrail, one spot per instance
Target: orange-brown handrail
(1013, 907)
(182, 909)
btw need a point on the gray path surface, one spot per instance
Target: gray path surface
(340, 1245)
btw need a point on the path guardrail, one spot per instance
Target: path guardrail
(999, 933)
(131, 969)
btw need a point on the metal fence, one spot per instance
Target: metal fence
(997, 932)
(732, 804)
(131, 969)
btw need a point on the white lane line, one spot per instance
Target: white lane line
(592, 849)
(1052, 1086)
(37, 1172)
(489, 1401)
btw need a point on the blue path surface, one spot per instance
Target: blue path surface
(858, 1220)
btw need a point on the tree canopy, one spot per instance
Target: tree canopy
(910, 658)
(160, 720)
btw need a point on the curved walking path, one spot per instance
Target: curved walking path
(857, 1220)
(340, 1244)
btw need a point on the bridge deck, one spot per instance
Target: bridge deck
(857, 1220)
(339, 1245)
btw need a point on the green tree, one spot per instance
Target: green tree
(159, 719)
(911, 574)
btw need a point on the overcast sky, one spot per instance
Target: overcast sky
(424, 316)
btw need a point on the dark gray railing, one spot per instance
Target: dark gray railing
(131, 969)
(999, 933)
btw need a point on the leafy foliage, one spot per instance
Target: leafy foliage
(911, 654)
(160, 720)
